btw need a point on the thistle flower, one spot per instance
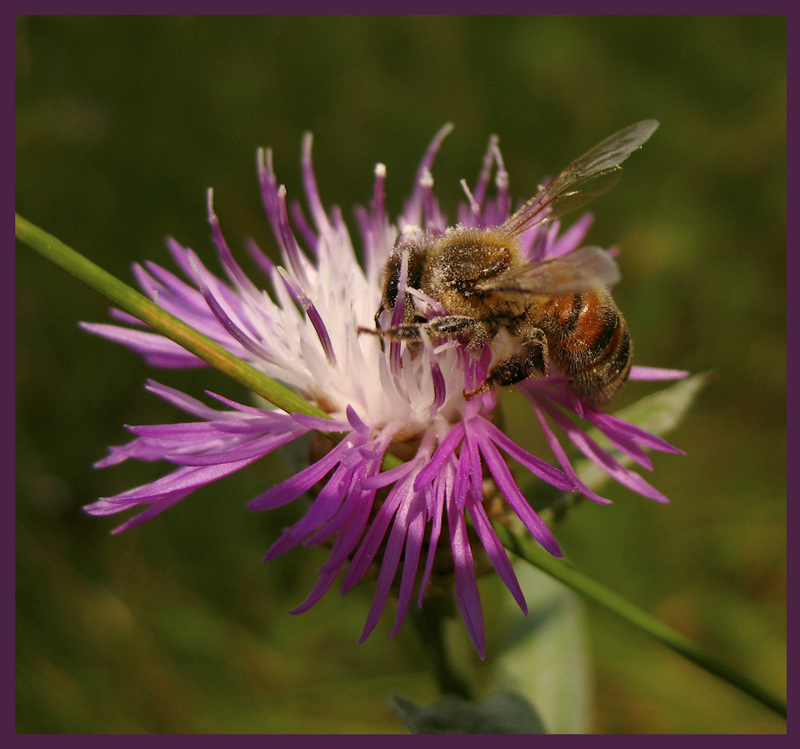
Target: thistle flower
(383, 398)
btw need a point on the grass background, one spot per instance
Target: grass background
(122, 123)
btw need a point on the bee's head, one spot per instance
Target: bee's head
(413, 244)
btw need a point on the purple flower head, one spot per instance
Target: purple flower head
(384, 397)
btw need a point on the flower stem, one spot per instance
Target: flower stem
(150, 313)
(429, 622)
(597, 593)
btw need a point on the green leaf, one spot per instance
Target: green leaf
(547, 661)
(499, 713)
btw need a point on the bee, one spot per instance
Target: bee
(538, 316)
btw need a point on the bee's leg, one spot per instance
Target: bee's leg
(529, 360)
(441, 327)
(404, 332)
(455, 324)
(378, 329)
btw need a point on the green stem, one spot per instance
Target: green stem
(429, 622)
(150, 313)
(598, 594)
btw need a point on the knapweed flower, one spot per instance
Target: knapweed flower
(384, 398)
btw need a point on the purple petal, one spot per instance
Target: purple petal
(639, 372)
(411, 556)
(391, 558)
(562, 458)
(461, 481)
(375, 226)
(300, 483)
(439, 385)
(479, 193)
(195, 430)
(466, 584)
(189, 303)
(256, 448)
(155, 509)
(234, 271)
(303, 227)
(599, 456)
(413, 209)
(474, 474)
(357, 514)
(279, 417)
(436, 504)
(571, 239)
(400, 494)
(148, 344)
(355, 420)
(312, 193)
(442, 455)
(184, 479)
(239, 335)
(496, 553)
(120, 316)
(323, 425)
(176, 290)
(385, 478)
(622, 441)
(261, 259)
(116, 455)
(313, 315)
(274, 200)
(324, 507)
(347, 484)
(510, 490)
(542, 469)
(609, 423)
(182, 401)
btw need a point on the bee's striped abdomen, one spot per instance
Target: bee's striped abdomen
(588, 341)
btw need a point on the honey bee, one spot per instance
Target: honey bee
(553, 314)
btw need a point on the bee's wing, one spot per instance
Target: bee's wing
(580, 270)
(583, 180)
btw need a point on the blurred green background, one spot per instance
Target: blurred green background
(123, 123)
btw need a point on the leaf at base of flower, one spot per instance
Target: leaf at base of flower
(547, 659)
(497, 714)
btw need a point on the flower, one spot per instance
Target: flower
(383, 399)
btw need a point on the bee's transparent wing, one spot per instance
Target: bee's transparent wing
(583, 180)
(580, 270)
